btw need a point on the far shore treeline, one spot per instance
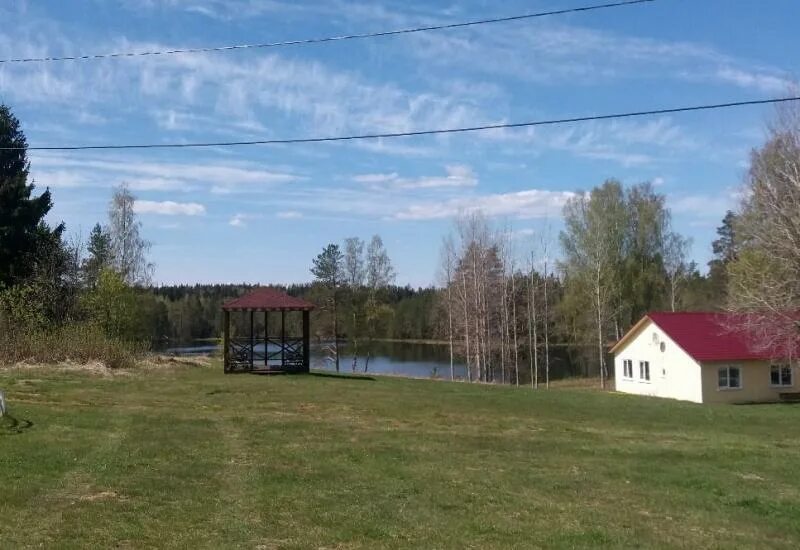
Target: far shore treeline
(509, 306)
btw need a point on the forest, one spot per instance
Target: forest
(509, 305)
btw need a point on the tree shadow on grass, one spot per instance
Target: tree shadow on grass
(342, 376)
(769, 403)
(10, 425)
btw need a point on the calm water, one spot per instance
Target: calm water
(395, 358)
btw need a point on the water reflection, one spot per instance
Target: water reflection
(394, 358)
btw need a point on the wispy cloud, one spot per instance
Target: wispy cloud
(627, 143)
(169, 208)
(142, 174)
(559, 53)
(457, 175)
(704, 206)
(532, 203)
(289, 215)
(759, 80)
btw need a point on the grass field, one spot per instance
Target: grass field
(190, 458)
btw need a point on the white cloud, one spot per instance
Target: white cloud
(238, 220)
(532, 203)
(456, 175)
(290, 215)
(169, 208)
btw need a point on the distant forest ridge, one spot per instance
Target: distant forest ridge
(191, 312)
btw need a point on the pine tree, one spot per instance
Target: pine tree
(328, 266)
(100, 255)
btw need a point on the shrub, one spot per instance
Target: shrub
(79, 343)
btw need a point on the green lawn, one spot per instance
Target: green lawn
(187, 457)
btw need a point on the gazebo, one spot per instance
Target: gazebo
(280, 353)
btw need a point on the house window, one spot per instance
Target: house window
(730, 378)
(644, 370)
(780, 375)
(627, 368)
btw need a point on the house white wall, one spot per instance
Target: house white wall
(673, 373)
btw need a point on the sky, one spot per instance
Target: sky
(259, 214)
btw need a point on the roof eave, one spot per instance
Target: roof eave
(630, 334)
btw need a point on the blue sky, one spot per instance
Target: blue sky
(259, 214)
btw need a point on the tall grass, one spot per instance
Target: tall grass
(79, 343)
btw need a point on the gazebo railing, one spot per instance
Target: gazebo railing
(276, 354)
(244, 354)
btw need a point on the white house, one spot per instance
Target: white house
(694, 357)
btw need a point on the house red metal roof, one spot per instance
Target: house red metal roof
(707, 336)
(266, 298)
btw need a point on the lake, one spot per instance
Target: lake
(392, 358)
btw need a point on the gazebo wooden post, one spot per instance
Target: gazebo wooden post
(306, 341)
(252, 339)
(283, 337)
(226, 341)
(266, 337)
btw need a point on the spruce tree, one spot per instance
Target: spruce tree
(22, 227)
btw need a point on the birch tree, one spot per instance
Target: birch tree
(533, 341)
(379, 274)
(676, 249)
(764, 277)
(354, 273)
(129, 248)
(592, 242)
(448, 267)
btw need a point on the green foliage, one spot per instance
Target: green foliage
(616, 245)
(21, 310)
(23, 231)
(100, 256)
(328, 266)
(725, 249)
(111, 305)
(123, 312)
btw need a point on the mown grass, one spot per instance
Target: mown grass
(190, 458)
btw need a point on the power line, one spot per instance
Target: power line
(550, 122)
(330, 38)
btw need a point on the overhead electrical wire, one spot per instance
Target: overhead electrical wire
(321, 40)
(499, 126)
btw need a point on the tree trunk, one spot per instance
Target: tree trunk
(514, 324)
(450, 324)
(600, 355)
(503, 328)
(546, 331)
(466, 326)
(531, 332)
(335, 330)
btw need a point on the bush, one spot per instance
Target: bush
(80, 343)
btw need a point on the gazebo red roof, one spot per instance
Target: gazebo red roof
(267, 299)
